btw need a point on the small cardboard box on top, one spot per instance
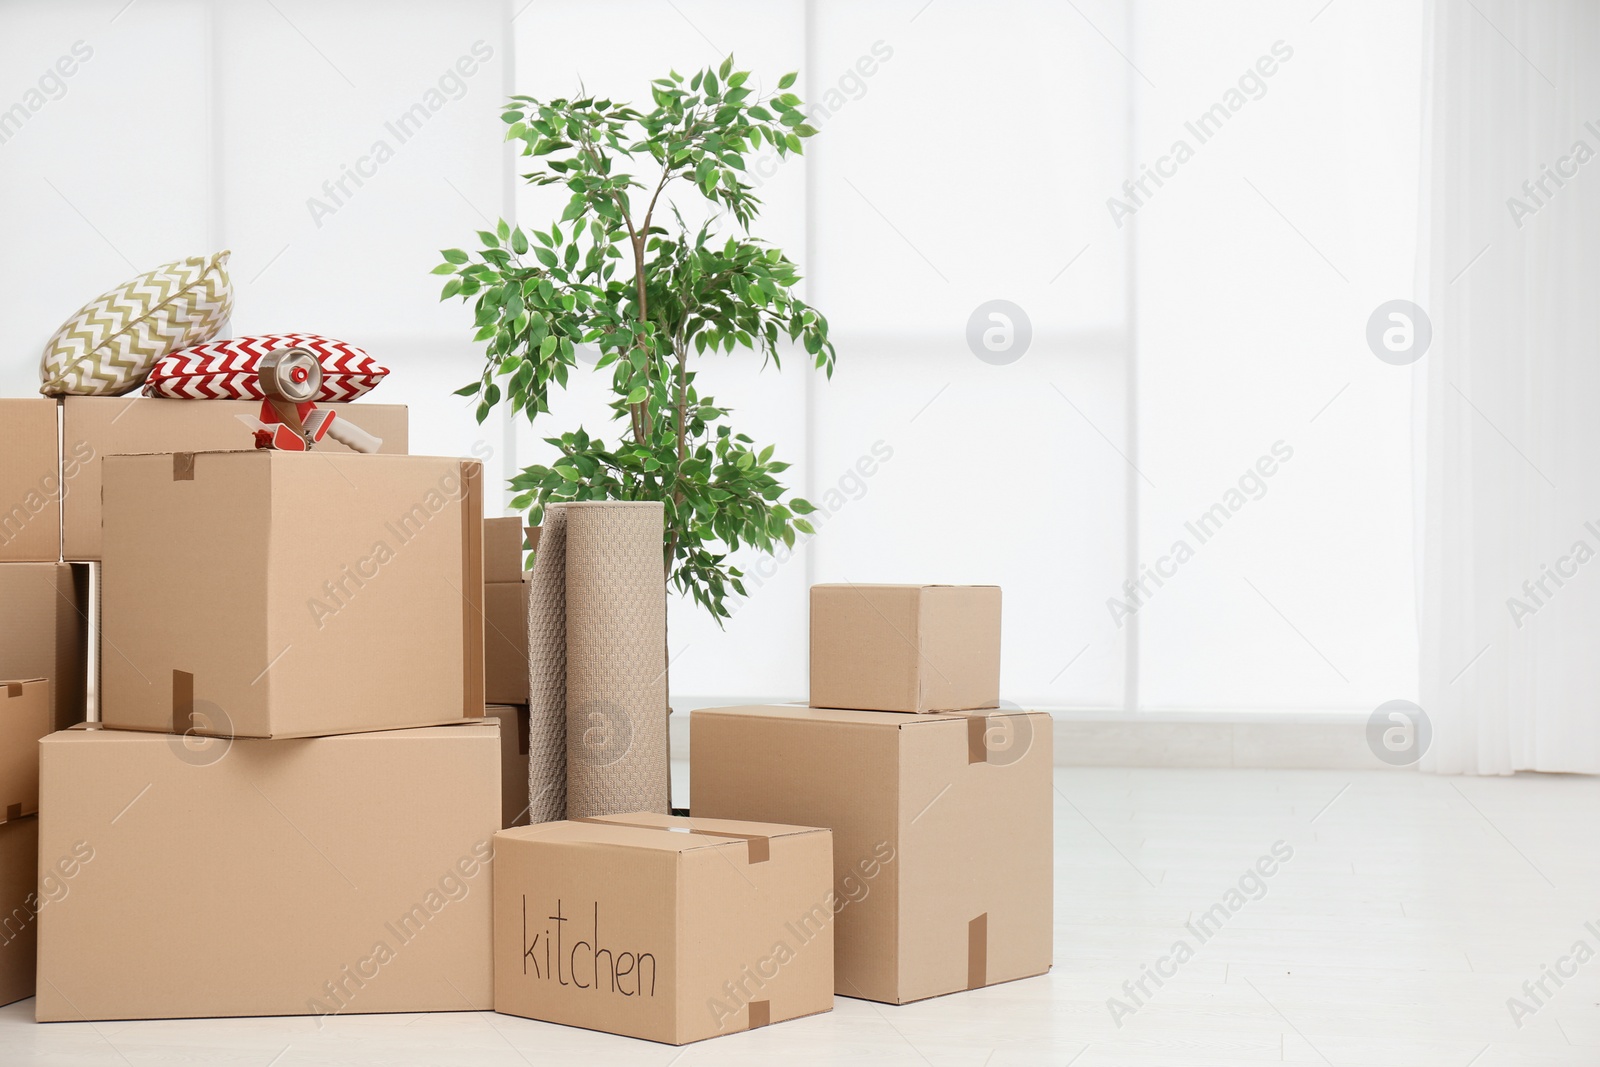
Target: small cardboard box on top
(312, 876)
(661, 927)
(93, 427)
(918, 648)
(505, 611)
(942, 840)
(44, 621)
(30, 481)
(291, 594)
(25, 715)
(20, 888)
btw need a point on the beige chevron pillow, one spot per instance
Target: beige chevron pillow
(110, 345)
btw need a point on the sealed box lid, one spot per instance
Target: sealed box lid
(93, 427)
(905, 647)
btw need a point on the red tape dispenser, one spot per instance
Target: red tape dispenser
(290, 420)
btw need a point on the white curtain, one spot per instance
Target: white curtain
(1509, 575)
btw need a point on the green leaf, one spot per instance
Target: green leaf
(519, 242)
(454, 255)
(788, 79)
(444, 268)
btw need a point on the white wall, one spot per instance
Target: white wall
(967, 153)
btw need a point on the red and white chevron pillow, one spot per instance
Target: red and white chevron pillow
(226, 370)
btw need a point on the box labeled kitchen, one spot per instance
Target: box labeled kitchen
(44, 622)
(311, 876)
(93, 427)
(25, 715)
(914, 648)
(941, 833)
(662, 927)
(279, 594)
(30, 481)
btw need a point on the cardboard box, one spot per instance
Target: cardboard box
(505, 605)
(905, 647)
(941, 833)
(25, 715)
(291, 594)
(303, 877)
(661, 927)
(503, 554)
(30, 481)
(505, 642)
(93, 427)
(44, 619)
(19, 906)
(513, 762)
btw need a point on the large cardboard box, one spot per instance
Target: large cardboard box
(905, 647)
(941, 833)
(661, 927)
(44, 619)
(20, 886)
(514, 794)
(315, 876)
(30, 481)
(25, 715)
(93, 427)
(291, 594)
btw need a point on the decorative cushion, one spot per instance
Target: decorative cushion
(108, 347)
(226, 370)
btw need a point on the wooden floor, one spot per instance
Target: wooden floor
(1411, 909)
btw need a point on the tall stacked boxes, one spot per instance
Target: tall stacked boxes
(289, 808)
(505, 655)
(939, 800)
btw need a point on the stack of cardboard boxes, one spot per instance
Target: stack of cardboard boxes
(891, 842)
(505, 653)
(939, 800)
(287, 806)
(291, 795)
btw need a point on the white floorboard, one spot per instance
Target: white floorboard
(1412, 908)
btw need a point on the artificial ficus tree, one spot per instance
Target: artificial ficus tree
(651, 298)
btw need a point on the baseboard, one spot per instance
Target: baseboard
(1315, 740)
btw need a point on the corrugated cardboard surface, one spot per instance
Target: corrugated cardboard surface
(25, 715)
(942, 833)
(663, 928)
(30, 487)
(915, 648)
(277, 594)
(333, 874)
(513, 720)
(97, 426)
(19, 907)
(44, 632)
(505, 642)
(502, 550)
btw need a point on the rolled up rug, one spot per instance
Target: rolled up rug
(597, 657)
